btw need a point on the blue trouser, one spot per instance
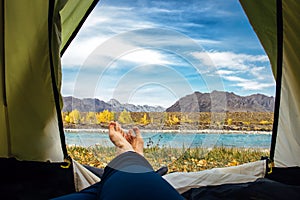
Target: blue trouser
(128, 176)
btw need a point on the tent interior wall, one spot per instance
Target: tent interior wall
(32, 149)
(34, 34)
(275, 23)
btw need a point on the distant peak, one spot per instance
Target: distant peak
(114, 102)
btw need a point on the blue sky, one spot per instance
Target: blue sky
(154, 52)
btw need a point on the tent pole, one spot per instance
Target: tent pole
(4, 96)
(54, 84)
(279, 21)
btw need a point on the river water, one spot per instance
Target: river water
(178, 140)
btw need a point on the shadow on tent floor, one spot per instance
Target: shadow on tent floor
(265, 189)
(34, 180)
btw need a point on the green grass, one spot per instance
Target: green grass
(177, 159)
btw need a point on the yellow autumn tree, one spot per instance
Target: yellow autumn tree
(175, 120)
(82, 120)
(90, 117)
(74, 117)
(265, 122)
(185, 118)
(144, 120)
(125, 117)
(229, 121)
(105, 116)
(67, 118)
(172, 120)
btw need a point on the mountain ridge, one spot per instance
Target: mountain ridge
(96, 105)
(216, 101)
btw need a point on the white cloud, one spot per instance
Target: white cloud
(247, 84)
(100, 26)
(108, 21)
(229, 60)
(225, 72)
(146, 57)
(117, 19)
(160, 10)
(80, 49)
(258, 72)
(105, 51)
(254, 85)
(241, 69)
(95, 20)
(207, 41)
(235, 78)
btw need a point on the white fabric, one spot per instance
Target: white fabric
(183, 181)
(287, 148)
(83, 178)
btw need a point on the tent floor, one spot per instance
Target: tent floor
(261, 189)
(34, 180)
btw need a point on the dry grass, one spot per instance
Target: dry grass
(177, 159)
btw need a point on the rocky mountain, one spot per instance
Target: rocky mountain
(96, 105)
(84, 105)
(217, 101)
(118, 107)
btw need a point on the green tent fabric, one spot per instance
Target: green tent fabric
(73, 16)
(276, 24)
(30, 71)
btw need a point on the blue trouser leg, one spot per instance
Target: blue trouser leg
(128, 176)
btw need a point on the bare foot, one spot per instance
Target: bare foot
(117, 136)
(136, 140)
